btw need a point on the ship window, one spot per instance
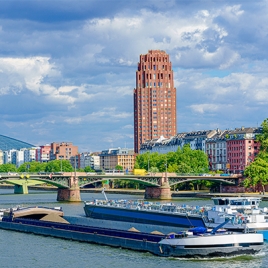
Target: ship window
(223, 202)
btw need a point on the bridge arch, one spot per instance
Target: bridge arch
(175, 181)
(143, 180)
(32, 182)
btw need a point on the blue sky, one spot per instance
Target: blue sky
(67, 68)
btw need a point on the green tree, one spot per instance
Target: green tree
(7, 168)
(153, 170)
(183, 160)
(144, 161)
(184, 168)
(126, 184)
(88, 169)
(33, 167)
(59, 165)
(118, 167)
(66, 166)
(173, 167)
(263, 137)
(257, 171)
(188, 161)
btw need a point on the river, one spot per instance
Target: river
(28, 250)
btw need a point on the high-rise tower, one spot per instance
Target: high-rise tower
(154, 98)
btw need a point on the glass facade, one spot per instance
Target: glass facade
(7, 143)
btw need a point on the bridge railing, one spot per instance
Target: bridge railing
(188, 174)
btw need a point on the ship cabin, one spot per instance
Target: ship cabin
(252, 202)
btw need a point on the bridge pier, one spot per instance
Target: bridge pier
(21, 189)
(158, 192)
(70, 195)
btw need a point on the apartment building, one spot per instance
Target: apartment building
(216, 149)
(62, 150)
(43, 153)
(1, 157)
(124, 157)
(89, 160)
(10, 157)
(30, 155)
(242, 148)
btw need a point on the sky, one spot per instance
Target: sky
(67, 67)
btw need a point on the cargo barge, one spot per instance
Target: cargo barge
(243, 213)
(191, 244)
(144, 212)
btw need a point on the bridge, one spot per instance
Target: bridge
(69, 183)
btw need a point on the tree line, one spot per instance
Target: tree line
(35, 167)
(257, 172)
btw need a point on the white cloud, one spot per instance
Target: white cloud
(202, 108)
(20, 73)
(106, 114)
(67, 79)
(232, 13)
(127, 127)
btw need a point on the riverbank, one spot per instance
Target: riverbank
(193, 194)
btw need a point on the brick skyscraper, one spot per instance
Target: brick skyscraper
(154, 98)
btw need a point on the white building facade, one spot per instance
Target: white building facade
(30, 155)
(89, 160)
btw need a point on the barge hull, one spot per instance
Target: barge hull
(138, 244)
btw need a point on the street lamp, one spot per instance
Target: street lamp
(60, 162)
(148, 161)
(166, 167)
(75, 167)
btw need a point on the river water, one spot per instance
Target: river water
(28, 250)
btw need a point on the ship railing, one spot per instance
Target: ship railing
(150, 206)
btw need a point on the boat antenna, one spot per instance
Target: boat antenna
(103, 192)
